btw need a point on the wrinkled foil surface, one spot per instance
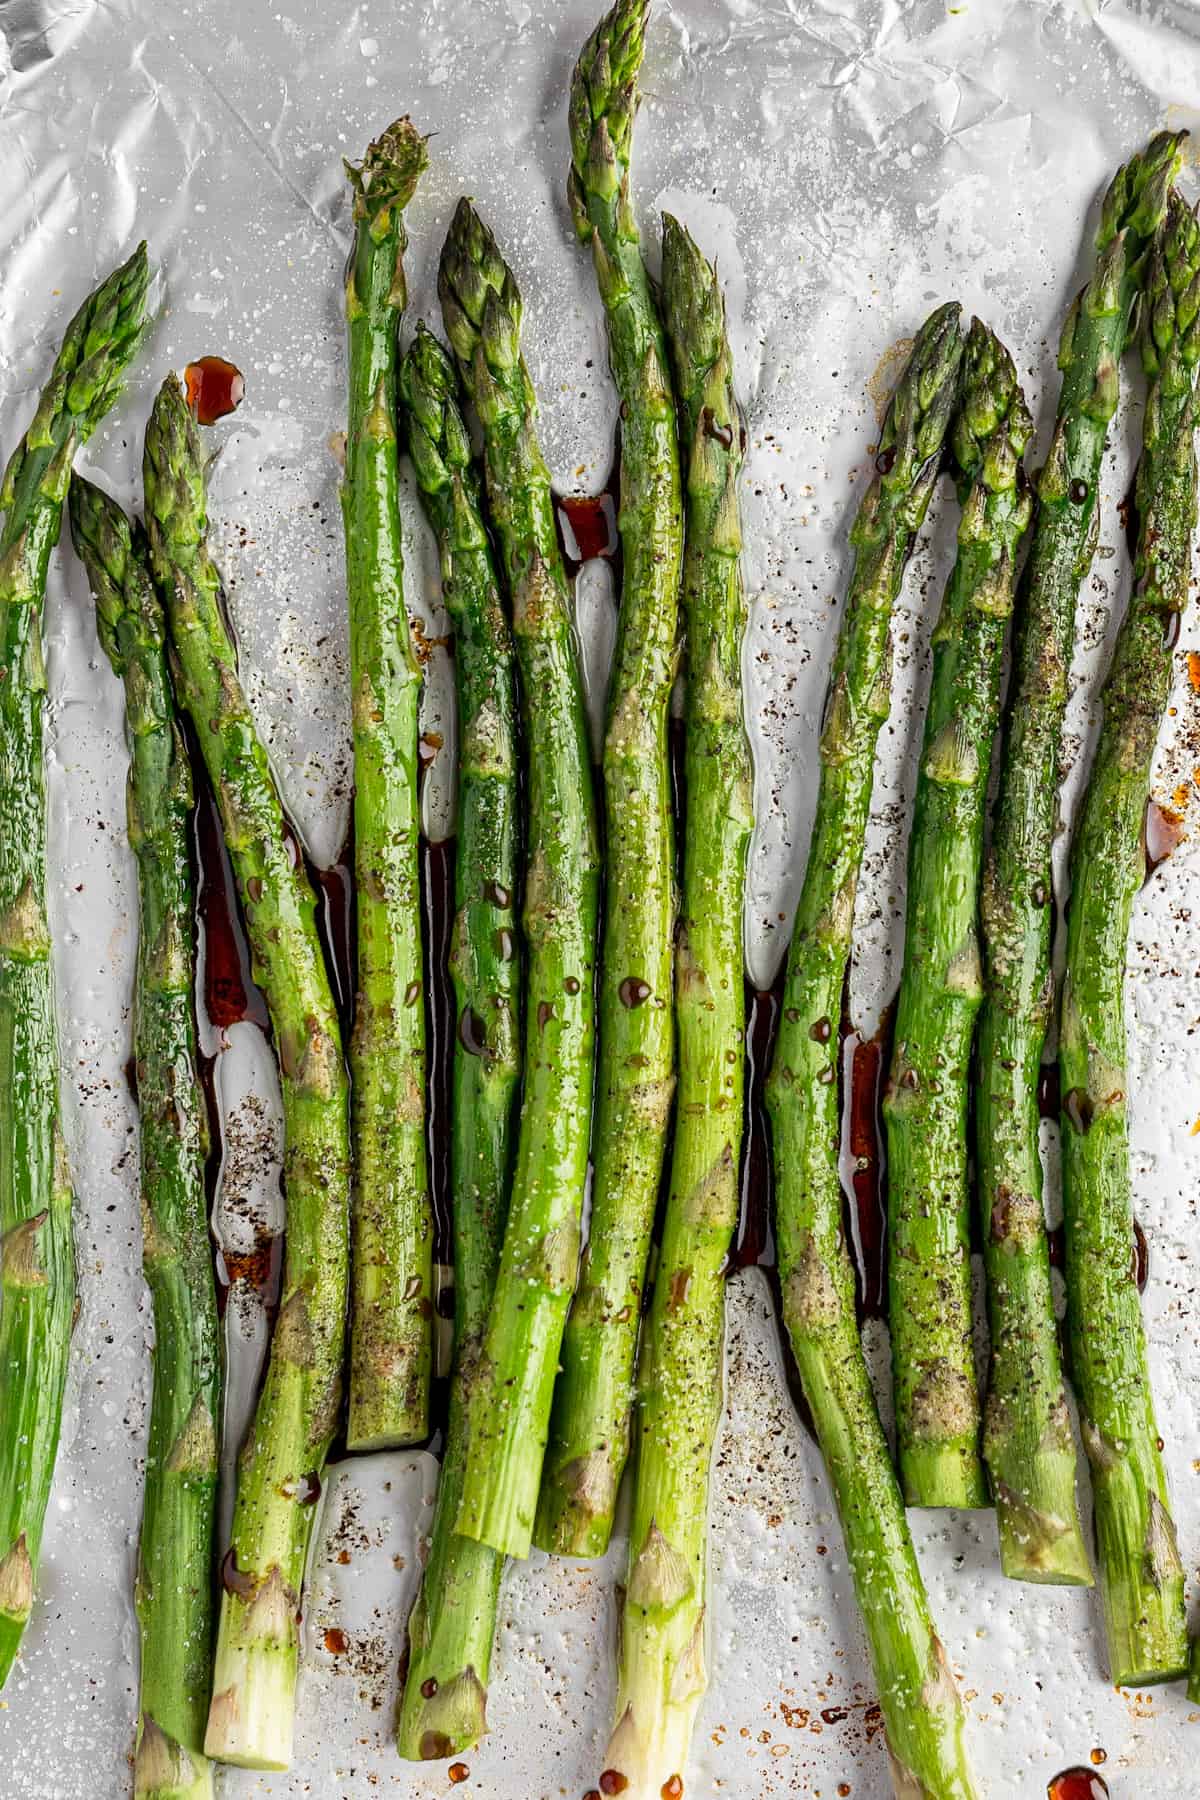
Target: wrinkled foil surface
(850, 163)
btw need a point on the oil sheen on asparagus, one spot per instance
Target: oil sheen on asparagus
(281, 1463)
(511, 1387)
(1027, 1434)
(662, 1666)
(926, 1102)
(174, 1591)
(37, 1263)
(922, 1712)
(391, 1330)
(450, 1630)
(589, 1433)
(1141, 1573)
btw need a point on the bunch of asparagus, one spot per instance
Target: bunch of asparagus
(561, 1369)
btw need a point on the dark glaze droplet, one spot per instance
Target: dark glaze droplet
(591, 522)
(471, 1032)
(1139, 1258)
(571, 984)
(1077, 493)
(214, 388)
(230, 995)
(497, 895)
(721, 434)
(506, 944)
(233, 1579)
(672, 1787)
(1056, 1245)
(336, 1641)
(885, 462)
(681, 1282)
(1171, 625)
(1041, 894)
(429, 1688)
(1077, 1105)
(821, 1032)
(754, 1243)
(864, 1063)
(1162, 833)
(613, 1782)
(308, 1488)
(412, 993)
(545, 1013)
(1049, 1091)
(1078, 1784)
(634, 991)
(458, 1772)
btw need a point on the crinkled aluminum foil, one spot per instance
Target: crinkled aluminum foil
(850, 162)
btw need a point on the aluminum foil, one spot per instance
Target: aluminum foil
(850, 163)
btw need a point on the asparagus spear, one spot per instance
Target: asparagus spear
(1027, 1436)
(1141, 1575)
(921, 1709)
(589, 1428)
(450, 1632)
(925, 1106)
(391, 1330)
(279, 1478)
(662, 1674)
(508, 1405)
(174, 1584)
(37, 1264)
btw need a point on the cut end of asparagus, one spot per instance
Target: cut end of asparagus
(576, 1506)
(1043, 1542)
(164, 1770)
(447, 1718)
(649, 1747)
(252, 1715)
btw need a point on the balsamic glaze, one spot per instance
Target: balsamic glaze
(864, 1065)
(1077, 1784)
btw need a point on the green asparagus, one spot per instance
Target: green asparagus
(1141, 1574)
(921, 1709)
(279, 1476)
(508, 1405)
(37, 1263)
(175, 1566)
(391, 1333)
(925, 1105)
(450, 1632)
(589, 1429)
(662, 1674)
(1027, 1434)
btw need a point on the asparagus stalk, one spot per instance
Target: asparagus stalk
(510, 1389)
(589, 1429)
(175, 1568)
(662, 1673)
(279, 1478)
(921, 1709)
(1141, 1574)
(1027, 1436)
(391, 1332)
(925, 1106)
(37, 1264)
(444, 1706)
